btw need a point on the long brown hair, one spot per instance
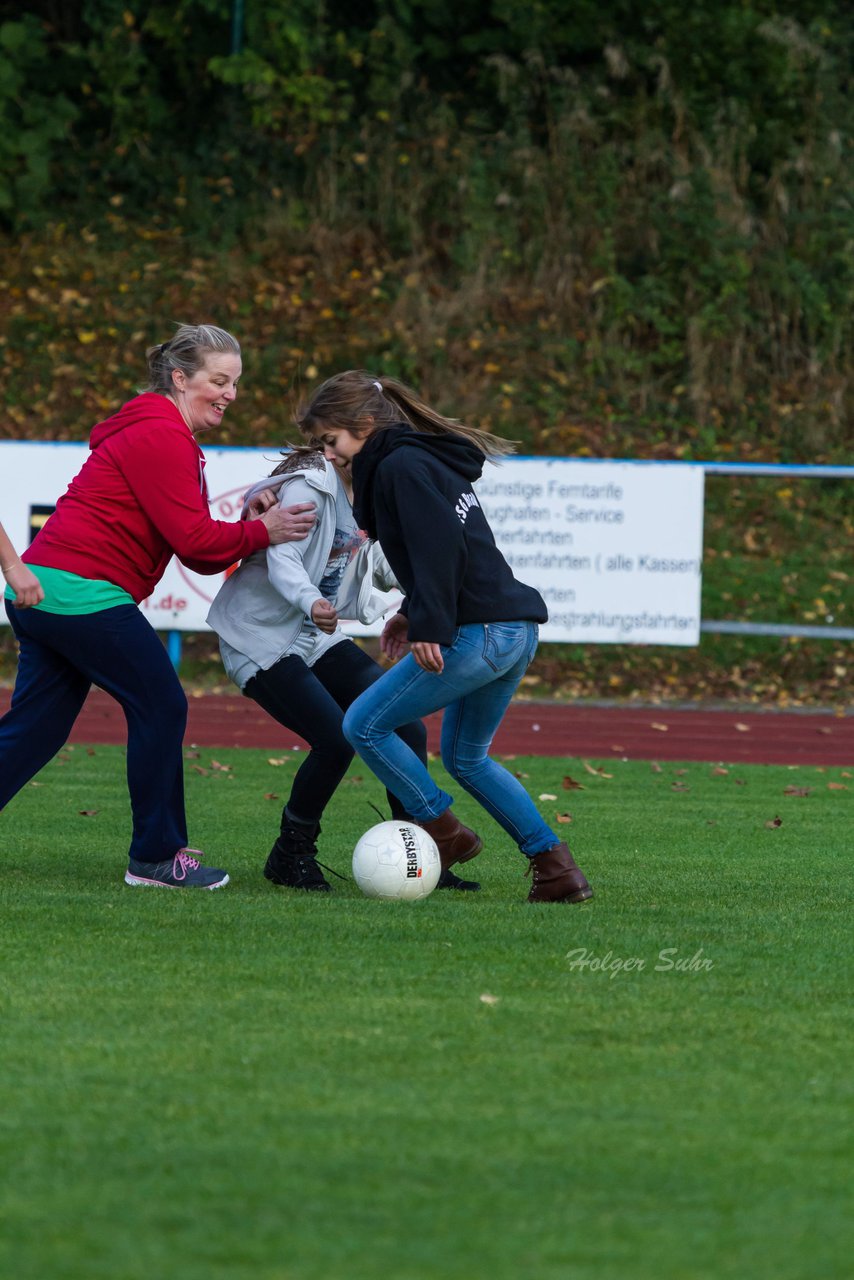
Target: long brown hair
(347, 399)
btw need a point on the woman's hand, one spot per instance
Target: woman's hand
(290, 524)
(324, 616)
(393, 641)
(28, 590)
(428, 656)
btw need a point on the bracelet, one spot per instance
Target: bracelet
(5, 568)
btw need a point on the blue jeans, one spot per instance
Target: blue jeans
(483, 667)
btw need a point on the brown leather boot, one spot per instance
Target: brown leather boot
(557, 878)
(456, 843)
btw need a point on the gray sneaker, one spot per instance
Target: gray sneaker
(181, 872)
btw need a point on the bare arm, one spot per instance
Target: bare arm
(25, 584)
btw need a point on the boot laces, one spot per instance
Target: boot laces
(331, 870)
(307, 861)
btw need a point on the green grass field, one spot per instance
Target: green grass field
(251, 1083)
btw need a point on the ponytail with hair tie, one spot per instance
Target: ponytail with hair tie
(343, 400)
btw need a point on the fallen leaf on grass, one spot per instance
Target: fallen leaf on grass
(597, 771)
(711, 822)
(277, 760)
(191, 755)
(797, 791)
(846, 774)
(719, 772)
(90, 751)
(679, 786)
(223, 768)
(87, 813)
(774, 822)
(520, 774)
(563, 817)
(836, 786)
(569, 784)
(486, 998)
(547, 795)
(197, 768)
(740, 782)
(355, 781)
(270, 795)
(679, 773)
(655, 767)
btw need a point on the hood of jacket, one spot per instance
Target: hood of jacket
(325, 479)
(451, 450)
(147, 408)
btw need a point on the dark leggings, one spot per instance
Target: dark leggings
(311, 701)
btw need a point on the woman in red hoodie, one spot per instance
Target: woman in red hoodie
(139, 499)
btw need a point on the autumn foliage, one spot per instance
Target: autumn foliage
(600, 230)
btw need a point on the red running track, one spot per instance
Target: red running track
(536, 728)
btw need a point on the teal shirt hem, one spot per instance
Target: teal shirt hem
(68, 593)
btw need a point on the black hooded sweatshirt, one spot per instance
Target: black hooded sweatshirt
(413, 493)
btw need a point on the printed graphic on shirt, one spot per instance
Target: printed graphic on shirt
(465, 502)
(345, 544)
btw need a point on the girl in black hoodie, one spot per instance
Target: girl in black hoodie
(467, 629)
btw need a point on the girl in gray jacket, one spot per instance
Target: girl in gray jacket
(281, 643)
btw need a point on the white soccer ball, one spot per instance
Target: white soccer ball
(396, 860)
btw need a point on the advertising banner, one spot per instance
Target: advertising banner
(615, 548)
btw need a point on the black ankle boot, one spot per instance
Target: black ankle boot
(447, 880)
(293, 860)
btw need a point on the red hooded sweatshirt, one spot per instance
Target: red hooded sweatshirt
(140, 498)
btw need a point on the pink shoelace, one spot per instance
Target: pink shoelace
(184, 862)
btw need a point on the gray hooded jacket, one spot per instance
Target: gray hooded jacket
(261, 608)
